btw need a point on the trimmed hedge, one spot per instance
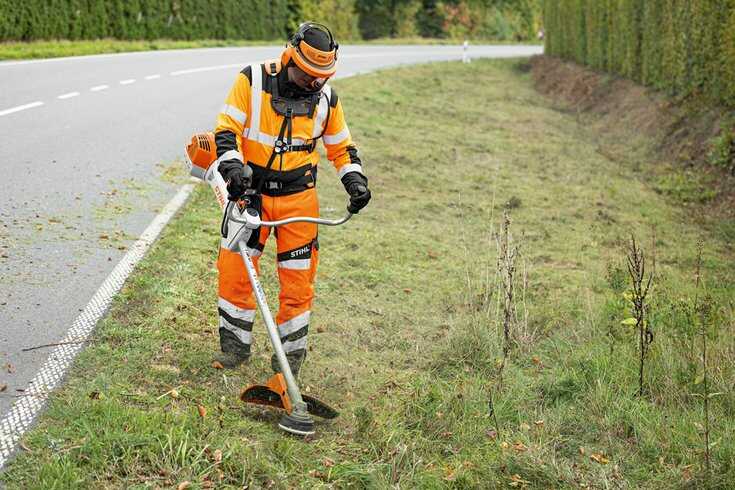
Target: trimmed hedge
(30, 20)
(147, 19)
(684, 47)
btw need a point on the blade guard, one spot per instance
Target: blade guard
(274, 394)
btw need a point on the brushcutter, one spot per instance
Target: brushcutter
(239, 221)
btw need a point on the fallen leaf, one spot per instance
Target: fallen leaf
(539, 423)
(25, 448)
(504, 445)
(517, 481)
(433, 255)
(407, 290)
(328, 462)
(174, 393)
(491, 434)
(3, 387)
(599, 458)
(217, 365)
(95, 395)
(319, 329)
(316, 474)
(446, 434)
(449, 475)
(183, 485)
(525, 427)
(202, 411)
(439, 415)
(9, 368)
(106, 237)
(218, 456)
(520, 447)
(581, 450)
(536, 360)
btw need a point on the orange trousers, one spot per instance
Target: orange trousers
(297, 256)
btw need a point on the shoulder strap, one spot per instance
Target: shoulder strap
(256, 92)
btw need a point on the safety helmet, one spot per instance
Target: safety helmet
(309, 58)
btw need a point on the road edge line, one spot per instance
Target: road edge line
(25, 410)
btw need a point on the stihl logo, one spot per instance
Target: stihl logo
(300, 251)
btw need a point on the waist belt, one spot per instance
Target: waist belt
(281, 183)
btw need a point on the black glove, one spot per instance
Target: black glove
(356, 186)
(239, 178)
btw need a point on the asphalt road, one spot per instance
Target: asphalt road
(84, 146)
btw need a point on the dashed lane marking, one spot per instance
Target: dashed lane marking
(21, 108)
(68, 96)
(206, 68)
(153, 77)
(26, 408)
(127, 82)
(99, 87)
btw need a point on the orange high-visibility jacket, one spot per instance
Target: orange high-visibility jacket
(247, 127)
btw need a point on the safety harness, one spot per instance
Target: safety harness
(277, 182)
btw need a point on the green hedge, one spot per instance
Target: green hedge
(685, 47)
(265, 19)
(146, 19)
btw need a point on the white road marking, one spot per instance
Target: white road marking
(153, 77)
(207, 68)
(27, 407)
(99, 87)
(68, 96)
(127, 82)
(21, 108)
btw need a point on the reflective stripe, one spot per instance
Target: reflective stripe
(235, 311)
(337, 138)
(242, 335)
(234, 113)
(231, 155)
(350, 167)
(270, 140)
(256, 91)
(293, 345)
(296, 264)
(322, 111)
(295, 323)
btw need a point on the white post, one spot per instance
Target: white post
(465, 54)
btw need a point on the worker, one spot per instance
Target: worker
(266, 139)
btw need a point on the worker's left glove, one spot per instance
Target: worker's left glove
(356, 186)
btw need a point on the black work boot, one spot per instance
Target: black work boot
(234, 353)
(295, 359)
(231, 360)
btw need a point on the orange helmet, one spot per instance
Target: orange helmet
(313, 61)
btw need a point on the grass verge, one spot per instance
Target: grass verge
(59, 48)
(407, 334)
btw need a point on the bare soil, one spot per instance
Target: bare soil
(676, 132)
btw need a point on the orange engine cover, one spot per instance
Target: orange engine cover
(200, 153)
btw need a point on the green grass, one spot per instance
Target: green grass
(10, 50)
(406, 335)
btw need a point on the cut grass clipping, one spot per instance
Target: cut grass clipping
(409, 323)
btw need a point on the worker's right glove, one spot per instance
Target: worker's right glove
(356, 186)
(239, 178)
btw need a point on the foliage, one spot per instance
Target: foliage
(261, 20)
(683, 47)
